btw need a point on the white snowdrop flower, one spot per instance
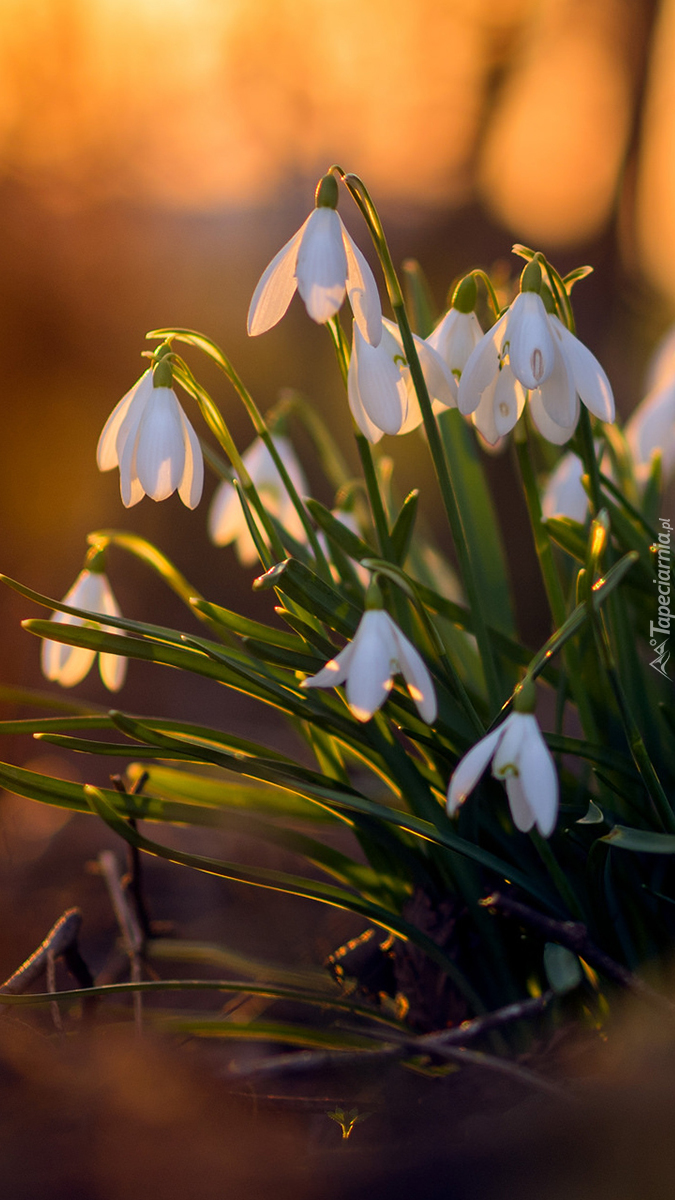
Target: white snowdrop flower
(542, 357)
(227, 522)
(651, 427)
(523, 761)
(564, 495)
(150, 439)
(661, 368)
(455, 338)
(323, 262)
(368, 664)
(381, 393)
(68, 665)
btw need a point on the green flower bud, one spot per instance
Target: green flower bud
(327, 192)
(95, 560)
(549, 303)
(525, 699)
(465, 294)
(162, 374)
(374, 596)
(530, 280)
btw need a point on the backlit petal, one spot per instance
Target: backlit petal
(275, 288)
(558, 393)
(531, 347)
(160, 450)
(481, 368)
(362, 292)
(107, 451)
(455, 338)
(553, 433)
(539, 777)
(381, 387)
(321, 267)
(369, 680)
(563, 495)
(652, 427)
(113, 670)
(335, 671)
(192, 483)
(470, 768)
(523, 817)
(590, 380)
(417, 676)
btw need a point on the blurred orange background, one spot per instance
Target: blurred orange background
(153, 157)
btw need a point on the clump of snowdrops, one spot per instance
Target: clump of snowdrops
(499, 861)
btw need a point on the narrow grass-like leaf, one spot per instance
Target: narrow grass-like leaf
(246, 627)
(282, 882)
(643, 841)
(353, 545)
(404, 526)
(314, 594)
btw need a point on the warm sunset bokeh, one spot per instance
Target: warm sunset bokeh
(153, 157)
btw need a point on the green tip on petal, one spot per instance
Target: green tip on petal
(162, 375)
(525, 699)
(465, 295)
(327, 192)
(530, 280)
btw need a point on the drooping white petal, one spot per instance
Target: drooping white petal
(481, 368)
(470, 768)
(590, 381)
(131, 488)
(500, 406)
(107, 451)
(538, 776)
(113, 670)
(506, 755)
(455, 338)
(417, 676)
(661, 369)
(563, 495)
(275, 288)
(377, 380)
(652, 427)
(362, 292)
(441, 383)
(225, 517)
(64, 664)
(530, 340)
(522, 814)
(160, 449)
(321, 267)
(558, 393)
(335, 671)
(369, 680)
(557, 434)
(192, 482)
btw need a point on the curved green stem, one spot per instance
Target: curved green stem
(361, 196)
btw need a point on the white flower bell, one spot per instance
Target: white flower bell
(368, 664)
(564, 495)
(323, 262)
(227, 522)
(458, 333)
(68, 665)
(522, 760)
(541, 356)
(652, 427)
(380, 389)
(150, 439)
